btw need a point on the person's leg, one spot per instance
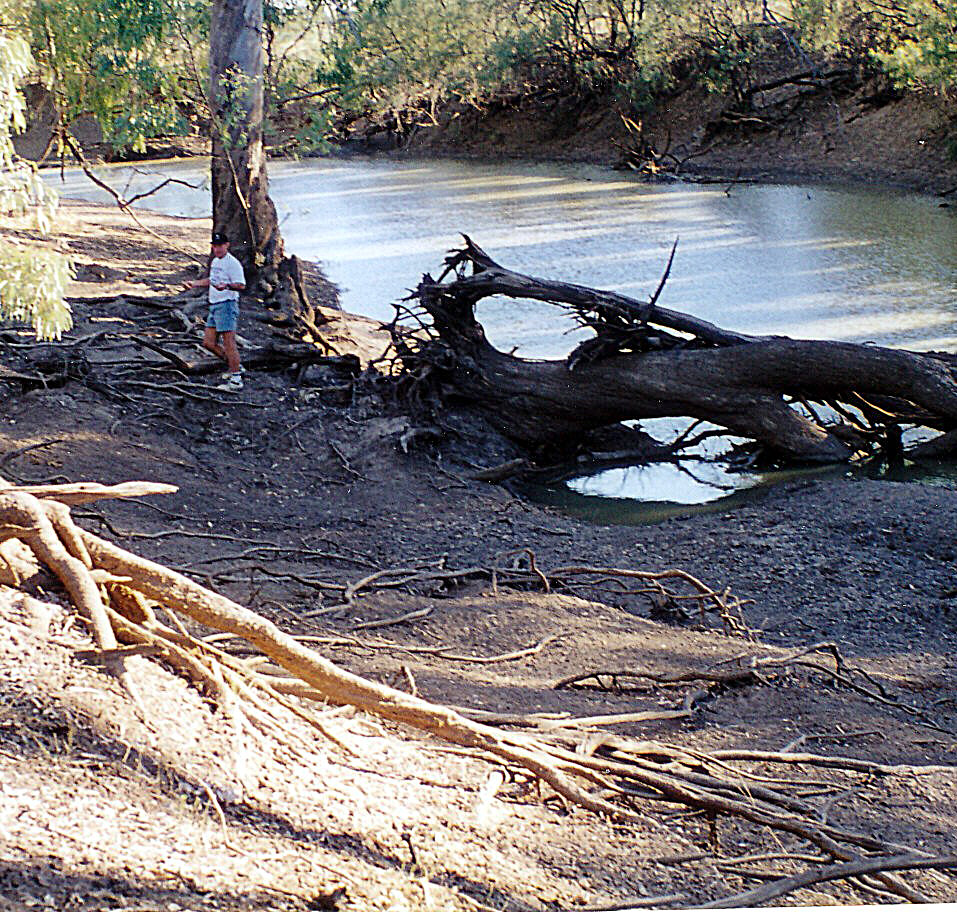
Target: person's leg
(225, 316)
(231, 351)
(211, 343)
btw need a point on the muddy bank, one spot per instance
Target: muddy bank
(849, 131)
(300, 479)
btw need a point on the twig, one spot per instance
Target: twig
(637, 902)
(14, 454)
(833, 872)
(291, 430)
(504, 656)
(343, 460)
(675, 677)
(848, 763)
(615, 719)
(392, 621)
(122, 203)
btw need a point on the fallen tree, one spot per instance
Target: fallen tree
(808, 401)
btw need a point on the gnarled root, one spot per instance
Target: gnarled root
(118, 592)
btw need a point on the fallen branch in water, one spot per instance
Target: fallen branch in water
(811, 401)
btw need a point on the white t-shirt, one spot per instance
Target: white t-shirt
(224, 270)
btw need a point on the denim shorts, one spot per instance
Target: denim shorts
(223, 316)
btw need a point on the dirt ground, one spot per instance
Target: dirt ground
(302, 482)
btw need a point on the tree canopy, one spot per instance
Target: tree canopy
(109, 58)
(137, 65)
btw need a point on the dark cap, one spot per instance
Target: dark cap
(220, 238)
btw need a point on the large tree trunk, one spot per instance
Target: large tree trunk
(639, 367)
(242, 207)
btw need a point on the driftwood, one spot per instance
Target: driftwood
(810, 401)
(269, 358)
(113, 362)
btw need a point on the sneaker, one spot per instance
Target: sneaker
(233, 383)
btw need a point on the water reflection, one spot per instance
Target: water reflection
(650, 494)
(663, 494)
(680, 484)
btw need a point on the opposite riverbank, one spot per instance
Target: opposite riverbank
(853, 132)
(825, 125)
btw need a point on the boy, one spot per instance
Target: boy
(225, 281)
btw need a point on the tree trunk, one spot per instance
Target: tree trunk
(242, 208)
(773, 390)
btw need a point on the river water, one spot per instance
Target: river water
(810, 262)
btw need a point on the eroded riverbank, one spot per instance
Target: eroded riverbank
(860, 132)
(279, 485)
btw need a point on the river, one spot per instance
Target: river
(805, 261)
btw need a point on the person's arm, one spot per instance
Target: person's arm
(237, 277)
(197, 283)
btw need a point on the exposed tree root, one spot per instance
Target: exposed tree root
(520, 569)
(123, 597)
(754, 669)
(833, 872)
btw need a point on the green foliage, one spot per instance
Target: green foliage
(32, 285)
(32, 280)
(924, 53)
(507, 54)
(111, 59)
(132, 63)
(311, 134)
(395, 51)
(914, 41)
(232, 121)
(390, 52)
(639, 91)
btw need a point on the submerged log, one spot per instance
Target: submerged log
(811, 401)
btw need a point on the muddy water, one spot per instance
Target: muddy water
(811, 262)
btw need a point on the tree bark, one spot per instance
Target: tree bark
(647, 362)
(739, 388)
(242, 208)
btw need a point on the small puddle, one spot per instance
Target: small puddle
(637, 495)
(644, 494)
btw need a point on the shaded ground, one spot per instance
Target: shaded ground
(297, 485)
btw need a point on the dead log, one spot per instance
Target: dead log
(648, 362)
(277, 357)
(83, 492)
